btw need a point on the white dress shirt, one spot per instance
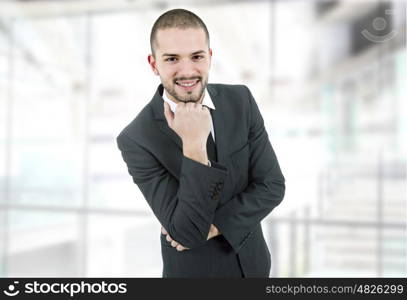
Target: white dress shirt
(207, 101)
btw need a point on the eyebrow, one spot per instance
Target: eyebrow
(195, 53)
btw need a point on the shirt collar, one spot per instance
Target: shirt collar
(207, 101)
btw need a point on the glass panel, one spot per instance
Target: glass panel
(131, 243)
(394, 188)
(241, 46)
(4, 75)
(48, 122)
(46, 173)
(43, 244)
(394, 249)
(336, 250)
(348, 251)
(115, 101)
(279, 238)
(110, 184)
(3, 243)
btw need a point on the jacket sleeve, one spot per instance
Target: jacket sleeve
(239, 216)
(186, 207)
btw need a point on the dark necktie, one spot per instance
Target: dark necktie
(210, 145)
(211, 148)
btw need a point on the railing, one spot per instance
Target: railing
(306, 249)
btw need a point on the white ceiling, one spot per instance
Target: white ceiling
(24, 8)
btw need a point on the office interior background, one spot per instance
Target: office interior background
(329, 78)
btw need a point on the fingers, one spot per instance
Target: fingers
(181, 248)
(188, 106)
(169, 115)
(174, 243)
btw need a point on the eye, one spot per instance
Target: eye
(198, 57)
(170, 59)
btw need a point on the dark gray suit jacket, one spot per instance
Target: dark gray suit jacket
(235, 194)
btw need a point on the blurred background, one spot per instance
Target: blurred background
(329, 78)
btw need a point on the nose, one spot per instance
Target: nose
(187, 69)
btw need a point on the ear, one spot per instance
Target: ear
(210, 57)
(152, 62)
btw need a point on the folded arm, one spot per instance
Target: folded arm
(185, 208)
(239, 216)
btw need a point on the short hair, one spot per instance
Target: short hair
(176, 18)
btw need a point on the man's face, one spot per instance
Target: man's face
(182, 60)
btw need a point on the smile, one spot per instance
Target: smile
(187, 84)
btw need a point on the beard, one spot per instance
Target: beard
(187, 96)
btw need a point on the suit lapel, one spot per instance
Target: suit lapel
(158, 107)
(219, 123)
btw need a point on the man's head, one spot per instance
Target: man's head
(181, 55)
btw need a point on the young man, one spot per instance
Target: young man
(201, 157)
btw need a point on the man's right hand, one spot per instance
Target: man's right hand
(192, 122)
(213, 231)
(174, 243)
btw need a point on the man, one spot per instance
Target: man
(201, 157)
